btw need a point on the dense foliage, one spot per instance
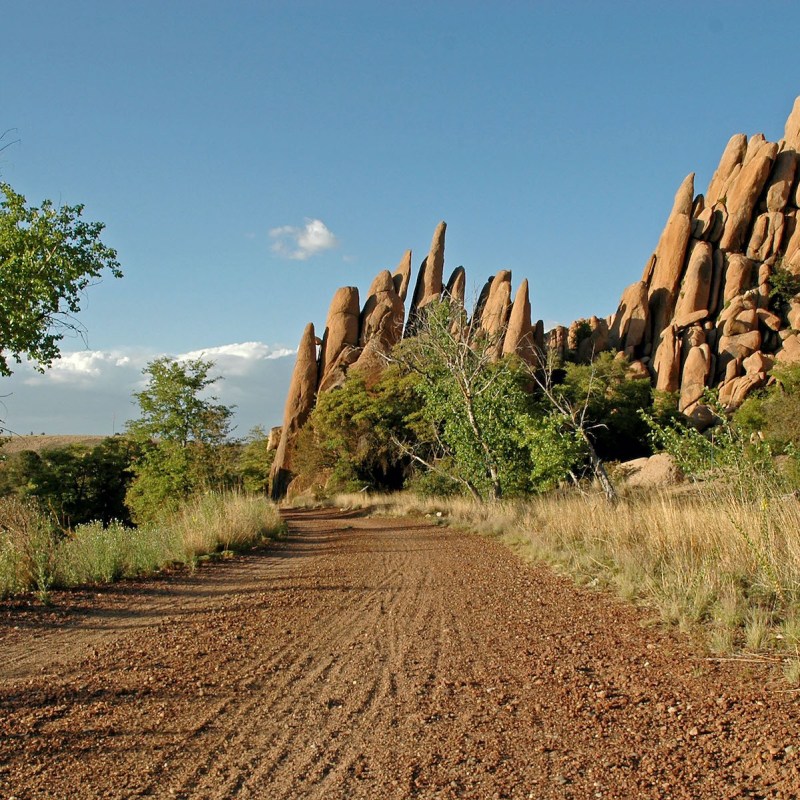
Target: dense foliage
(48, 257)
(354, 435)
(77, 483)
(182, 432)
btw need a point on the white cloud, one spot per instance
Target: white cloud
(239, 358)
(299, 244)
(91, 391)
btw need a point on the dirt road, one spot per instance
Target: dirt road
(372, 658)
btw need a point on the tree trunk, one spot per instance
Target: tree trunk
(600, 471)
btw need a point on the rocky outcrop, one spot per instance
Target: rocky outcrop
(667, 265)
(520, 338)
(299, 402)
(629, 327)
(402, 276)
(702, 315)
(429, 281)
(496, 311)
(341, 331)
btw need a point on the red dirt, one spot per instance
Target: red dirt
(374, 658)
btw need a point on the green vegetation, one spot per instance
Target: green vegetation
(36, 555)
(784, 287)
(77, 484)
(353, 436)
(181, 434)
(450, 416)
(48, 257)
(486, 430)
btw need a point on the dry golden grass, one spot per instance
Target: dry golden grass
(15, 444)
(33, 555)
(709, 560)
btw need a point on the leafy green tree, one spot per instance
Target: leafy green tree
(353, 433)
(612, 403)
(48, 257)
(182, 431)
(253, 461)
(493, 435)
(75, 483)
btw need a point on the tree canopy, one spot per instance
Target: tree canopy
(48, 257)
(181, 431)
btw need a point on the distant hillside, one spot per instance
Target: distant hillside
(16, 444)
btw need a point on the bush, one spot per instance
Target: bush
(34, 556)
(28, 548)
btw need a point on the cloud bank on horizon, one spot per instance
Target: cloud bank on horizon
(95, 388)
(301, 243)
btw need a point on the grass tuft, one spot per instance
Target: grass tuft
(34, 556)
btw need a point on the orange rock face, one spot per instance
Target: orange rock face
(629, 326)
(519, 339)
(341, 328)
(669, 259)
(299, 402)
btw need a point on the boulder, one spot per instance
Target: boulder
(738, 276)
(669, 259)
(717, 279)
(383, 314)
(736, 348)
(402, 276)
(637, 370)
(556, 340)
(791, 132)
(793, 315)
(655, 471)
(741, 316)
(457, 286)
(745, 191)
(767, 235)
(274, 438)
(496, 312)
(578, 330)
(596, 342)
(781, 182)
(480, 303)
(790, 350)
(341, 327)
(299, 402)
(695, 374)
(429, 280)
(667, 361)
(732, 157)
(519, 339)
(768, 319)
(336, 371)
(696, 284)
(758, 362)
(629, 326)
(791, 238)
(754, 144)
(733, 393)
(709, 225)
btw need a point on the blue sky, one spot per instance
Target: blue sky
(551, 136)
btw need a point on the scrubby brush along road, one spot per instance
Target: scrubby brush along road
(377, 658)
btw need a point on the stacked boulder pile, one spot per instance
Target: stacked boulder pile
(700, 316)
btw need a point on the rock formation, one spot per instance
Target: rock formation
(429, 281)
(341, 335)
(699, 318)
(299, 402)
